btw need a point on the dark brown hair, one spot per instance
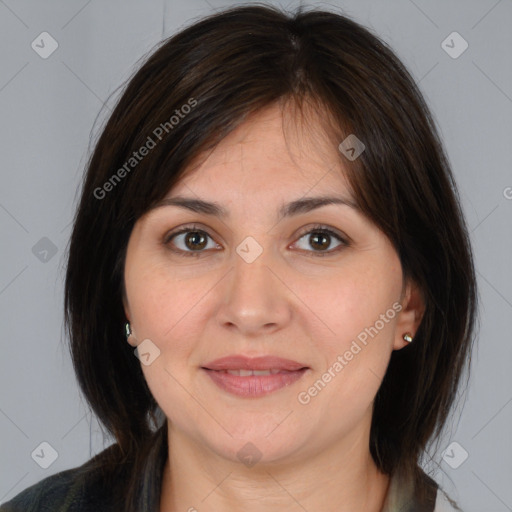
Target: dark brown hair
(225, 67)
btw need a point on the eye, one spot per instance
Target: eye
(193, 240)
(320, 238)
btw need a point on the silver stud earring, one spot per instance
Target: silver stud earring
(128, 332)
(407, 337)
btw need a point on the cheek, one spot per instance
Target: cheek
(353, 298)
(355, 334)
(171, 311)
(163, 311)
(160, 302)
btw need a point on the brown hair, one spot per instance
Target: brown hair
(225, 67)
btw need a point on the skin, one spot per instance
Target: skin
(288, 302)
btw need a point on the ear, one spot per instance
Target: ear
(411, 314)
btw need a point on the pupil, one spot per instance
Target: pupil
(324, 239)
(195, 238)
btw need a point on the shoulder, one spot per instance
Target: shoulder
(60, 491)
(78, 489)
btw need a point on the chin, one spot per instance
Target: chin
(255, 445)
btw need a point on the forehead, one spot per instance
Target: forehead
(272, 150)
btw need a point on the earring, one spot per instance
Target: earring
(128, 332)
(407, 337)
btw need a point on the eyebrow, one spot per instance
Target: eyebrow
(299, 206)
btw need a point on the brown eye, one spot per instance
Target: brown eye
(195, 240)
(320, 239)
(189, 241)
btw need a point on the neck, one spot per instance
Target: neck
(342, 478)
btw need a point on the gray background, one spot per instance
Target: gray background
(48, 109)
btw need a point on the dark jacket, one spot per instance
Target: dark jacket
(85, 489)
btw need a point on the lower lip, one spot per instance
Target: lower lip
(254, 385)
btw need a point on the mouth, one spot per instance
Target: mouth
(253, 377)
(254, 383)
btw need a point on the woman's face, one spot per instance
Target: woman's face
(255, 283)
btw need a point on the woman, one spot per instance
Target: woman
(269, 224)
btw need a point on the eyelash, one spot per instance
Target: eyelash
(318, 228)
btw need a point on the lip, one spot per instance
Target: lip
(254, 386)
(239, 362)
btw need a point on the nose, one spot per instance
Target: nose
(255, 300)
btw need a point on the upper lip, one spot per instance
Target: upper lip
(239, 362)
